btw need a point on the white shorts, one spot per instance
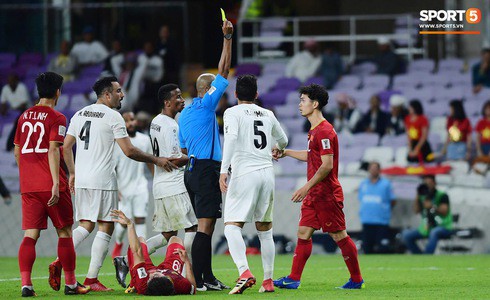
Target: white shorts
(250, 197)
(94, 205)
(135, 206)
(173, 213)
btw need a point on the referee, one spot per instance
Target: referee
(199, 139)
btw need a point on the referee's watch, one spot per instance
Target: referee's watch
(228, 36)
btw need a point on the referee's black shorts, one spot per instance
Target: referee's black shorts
(202, 183)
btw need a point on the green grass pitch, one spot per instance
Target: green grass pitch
(387, 277)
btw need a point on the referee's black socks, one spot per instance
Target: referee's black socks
(201, 258)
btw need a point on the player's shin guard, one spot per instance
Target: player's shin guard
(349, 252)
(79, 234)
(27, 256)
(155, 242)
(268, 252)
(119, 231)
(100, 247)
(67, 256)
(237, 247)
(188, 240)
(301, 255)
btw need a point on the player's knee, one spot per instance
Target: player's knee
(64, 232)
(32, 233)
(263, 226)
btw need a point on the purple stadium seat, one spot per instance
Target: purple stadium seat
(473, 109)
(423, 65)
(481, 97)
(439, 79)
(63, 102)
(434, 109)
(403, 81)
(450, 64)
(274, 68)
(7, 59)
(294, 125)
(318, 80)
(287, 83)
(352, 154)
(285, 183)
(293, 98)
(348, 82)
(384, 97)
(394, 141)
(445, 95)
(265, 83)
(92, 72)
(250, 68)
(270, 44)
(423, 94)
(299, 141)
(378, 81)
(286, 111)
(33, 59)
(366, 139)
(292, 167)
(364, 69)
(458, 79)
(49, 57)
(273, 98)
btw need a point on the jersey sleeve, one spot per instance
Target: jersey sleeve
(72, 127)
(230, 123)
(326, 140)
(58, 129)
(278, 133)
(140, 276)
(183, 286)
(182, 140)
(213, 95)
(118, 127)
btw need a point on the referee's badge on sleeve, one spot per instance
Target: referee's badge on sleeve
(211, 90)
(326, 144)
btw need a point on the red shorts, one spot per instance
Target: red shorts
(172, 261)
(327, 215)
(35, 210)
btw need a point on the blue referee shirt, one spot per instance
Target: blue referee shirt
(198, 128)
(375, 201)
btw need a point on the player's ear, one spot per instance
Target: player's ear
(236, 96)
(256, 95)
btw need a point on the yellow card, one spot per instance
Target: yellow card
(223, 16)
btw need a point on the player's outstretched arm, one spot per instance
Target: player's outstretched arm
(69, 160)
(119, 217)
(298, 154)
(321, 173)
(136, 154)
(17, 154)
(54, 168)
(189, 273)
(225, 60)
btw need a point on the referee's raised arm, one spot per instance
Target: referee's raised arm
(225, 60)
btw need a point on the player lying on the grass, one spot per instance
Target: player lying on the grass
(322, 195)
(162, 280)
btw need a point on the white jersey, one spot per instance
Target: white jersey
(164, 134)
(95, 128)
(254, 131)
(131, 178)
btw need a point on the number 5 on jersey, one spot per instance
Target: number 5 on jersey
(85, 134)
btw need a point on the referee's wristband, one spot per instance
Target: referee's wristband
(228, 36)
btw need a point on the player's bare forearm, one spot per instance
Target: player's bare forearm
(181, 161)
(54, 162)
(225, 60)
(68, 153)
(189, 273)
(134, 244)
(298, 154)
(320, 174)
(17, 154)
(184, 151)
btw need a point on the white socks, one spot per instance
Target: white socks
(268, 252)
(140, 230)
(118, 234)
(79, 234)
(237, 247)
(155, 242)
(98, 254)
(188, 240)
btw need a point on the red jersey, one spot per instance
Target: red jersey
(414, 126)
(141, 274)
(483, 128)
(36, 127)
(458, 130)
(322, 140)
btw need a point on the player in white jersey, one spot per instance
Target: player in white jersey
(95, 129)
(250, 133)
(173, 208)
(132, 184)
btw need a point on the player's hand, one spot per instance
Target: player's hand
(277, 154)
(300, 194)
(55, 195)
(71, 183)
(227, 27)
(166, 164)
(119, 217)
(223, 186)
(182, 254)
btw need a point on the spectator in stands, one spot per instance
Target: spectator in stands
(374, 120)
(305, 64)
(220, 111)
(143, 120)
(458, 143)
(151, 64)
(89, 51)
(65, 63)
(417, 129)
(483, 132)
(481, 71)
(7, 199)
(377, 198)
(346, 114)
(130, 80)
(386, 60)
(332, 67)
(437, 220)
(398, 114)
(168, 49)
(113, 64)
(14, 95)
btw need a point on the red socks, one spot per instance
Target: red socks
(301, 255)
(67, 256)
(27, 256)
(349, 252)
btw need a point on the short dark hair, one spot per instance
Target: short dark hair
(104, 84)
(429, 176)
(48, 83)
(246, 87)
(160, 286)
(165, 92)
(487, 104)
(317, 93)
(417, 107)
(458, 109)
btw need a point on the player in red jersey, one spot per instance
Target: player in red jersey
(163, 280)
(322, 195)
(43, 184)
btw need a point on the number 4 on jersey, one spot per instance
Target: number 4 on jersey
(85, 134)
